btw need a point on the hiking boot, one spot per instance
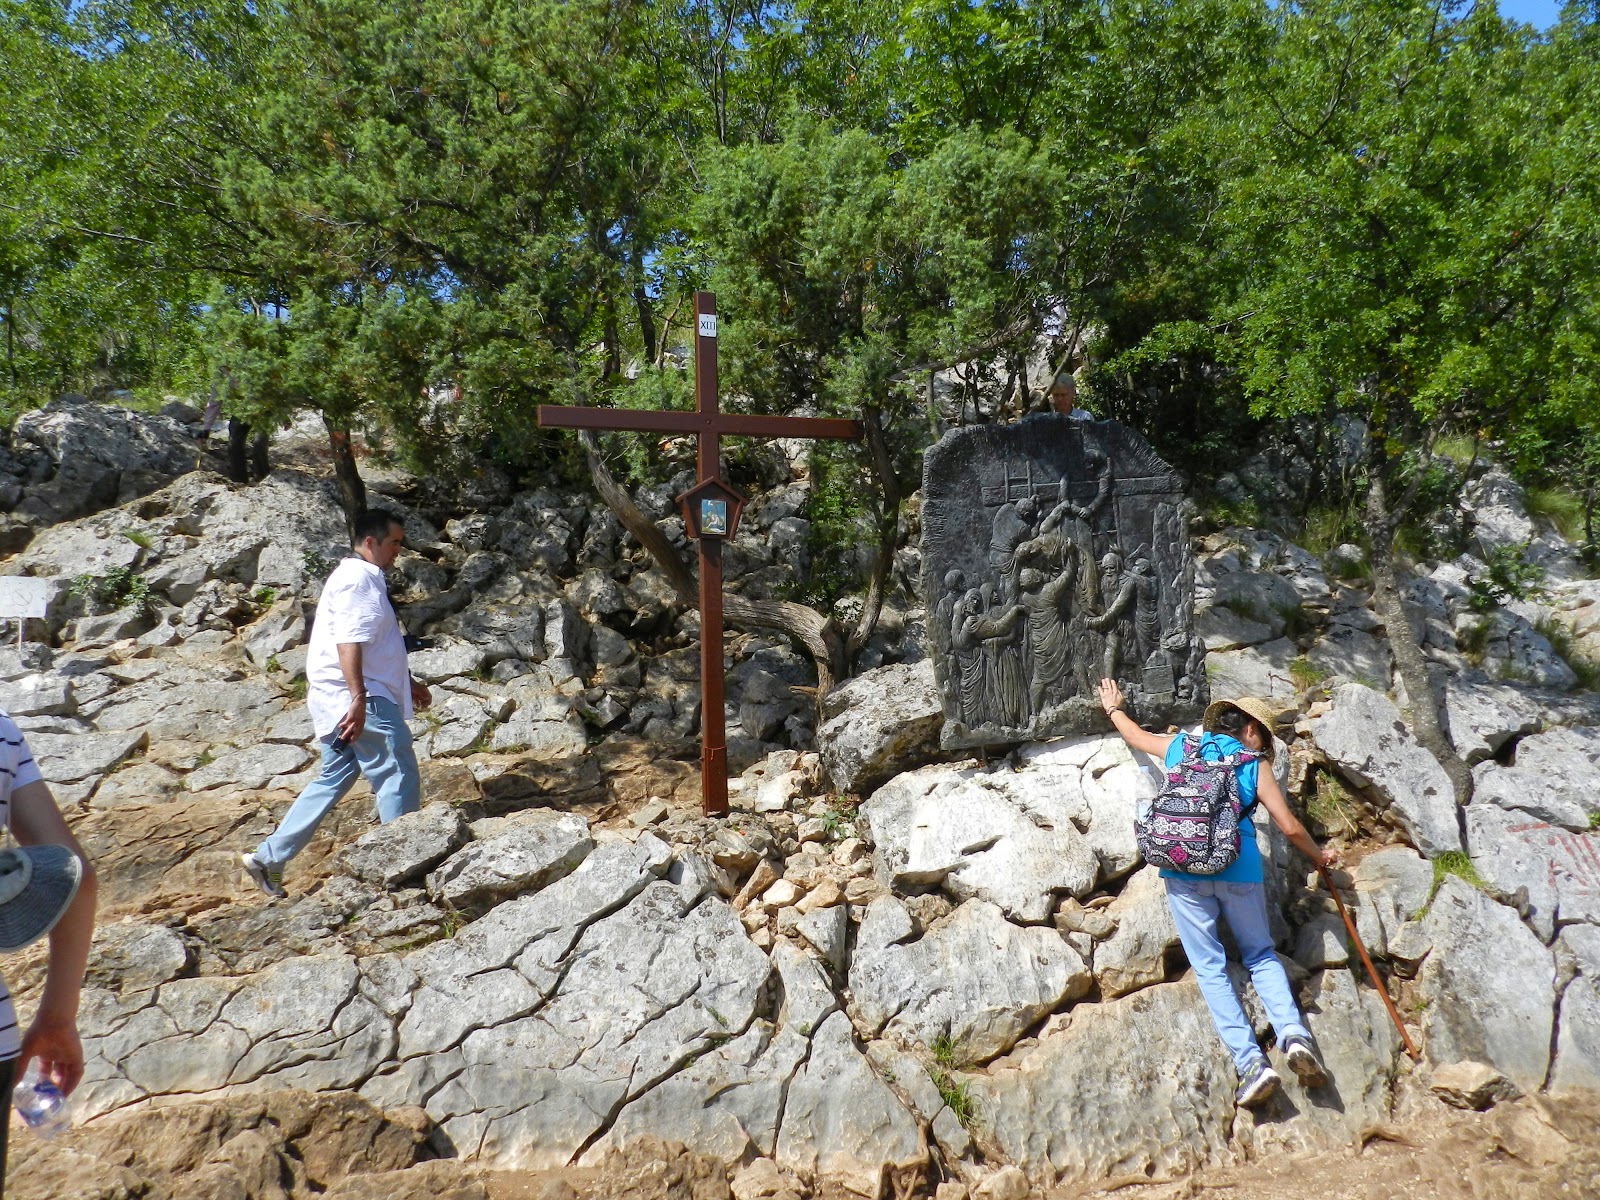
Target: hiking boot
(268, 879)
(1303, 1061)
(1256, 1085)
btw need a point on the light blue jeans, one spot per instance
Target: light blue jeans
(382, 753)
(1196, 904)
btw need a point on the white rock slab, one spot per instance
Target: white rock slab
(1013, 837)
(1481, 717)
(407, 847)
(1255, 671)
(879, 724)
(973, 978)
(1555, 777)
(1136, 1086)
(251, 768)
(1134, 956)
(1490, 985)
(841, 1121)
(1363, 735)
(541, 848)
(1560, 869)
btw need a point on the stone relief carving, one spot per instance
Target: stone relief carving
(1056, 551)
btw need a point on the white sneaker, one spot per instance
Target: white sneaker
(268, 879)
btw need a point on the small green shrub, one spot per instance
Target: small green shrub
(956, 1095)
(1326, 528)
(119, 587)
(1507, 575)
(1218, 513)
(1296, 621)
(1305, 673)
(1559, 635)
(139, 538)
(272, 664)
(315, 565)
(297, 687)
(1558, 506)
(1472, 639)
(947, 1057)
(1331, 807)
(1458, 448)
(263, 597)
(1453, 862)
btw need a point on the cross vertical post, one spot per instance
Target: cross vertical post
(708, 423)
(713, 725)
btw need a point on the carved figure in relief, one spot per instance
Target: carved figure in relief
(1013, 525)
(991, 676)
(1054, 552)
(1049, 641)
(1131, 621)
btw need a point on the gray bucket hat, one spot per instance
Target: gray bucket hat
(36, 885)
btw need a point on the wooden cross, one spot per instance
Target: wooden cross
(708, 423)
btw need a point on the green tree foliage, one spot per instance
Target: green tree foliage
(1401, 218)
(425, 218)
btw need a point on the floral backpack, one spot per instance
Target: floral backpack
(1193, 824)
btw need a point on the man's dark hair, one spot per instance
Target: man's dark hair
(373, 523)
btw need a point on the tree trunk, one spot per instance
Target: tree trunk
(816, 632)
(352, 491)
(1403, 640)
(888, 531)
(259, 464)
(238, 454)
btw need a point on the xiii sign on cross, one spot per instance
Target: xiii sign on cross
(711, 513)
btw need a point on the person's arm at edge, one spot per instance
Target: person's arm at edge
(1271, 797)
(53, 1035)
(355, 720)
(1138, 737)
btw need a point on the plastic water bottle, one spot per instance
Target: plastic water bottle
(40, 1104)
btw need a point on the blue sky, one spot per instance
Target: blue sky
(1541, 14)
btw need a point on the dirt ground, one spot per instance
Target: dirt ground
(1536, 1148)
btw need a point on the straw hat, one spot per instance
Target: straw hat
(36, 885)
(1260, 710)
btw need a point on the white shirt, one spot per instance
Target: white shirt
(17, 769)
(355, 608)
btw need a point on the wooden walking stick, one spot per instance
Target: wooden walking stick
(1372, 972)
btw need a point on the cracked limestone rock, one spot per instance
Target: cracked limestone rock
(1490, 985)
(1014, 837)
(1139, 1085)
(841, 1120)
(407, 847)
(973, 978)
(642, 992)
(1135, 954)
(1555, 778)
(1363, 735)
(879, 724)
(1513, 849)
(543, 846)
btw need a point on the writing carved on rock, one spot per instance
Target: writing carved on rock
(1056, 551)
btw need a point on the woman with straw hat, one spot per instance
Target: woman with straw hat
(46, 887)
(1237, 894)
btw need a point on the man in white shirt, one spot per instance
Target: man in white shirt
(360, 694)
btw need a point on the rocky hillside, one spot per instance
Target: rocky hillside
(884, 975)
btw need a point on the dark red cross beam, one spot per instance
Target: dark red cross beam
(708, 423)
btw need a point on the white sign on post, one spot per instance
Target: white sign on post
(708, 325)
(21, 598)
